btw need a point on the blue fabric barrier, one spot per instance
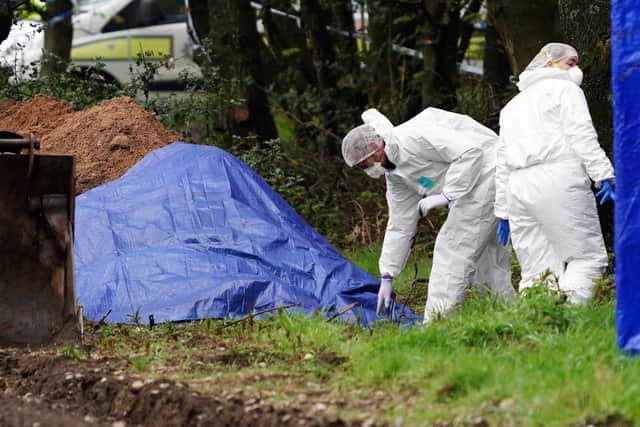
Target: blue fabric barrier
(625, 35)
(191, 232)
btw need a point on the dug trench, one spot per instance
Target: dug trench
(45, 389)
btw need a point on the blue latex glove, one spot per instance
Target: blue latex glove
(606, 192)
(503, 232)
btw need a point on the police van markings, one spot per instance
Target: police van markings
(118, 48)
(157, 46)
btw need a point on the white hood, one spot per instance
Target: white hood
(529, 78)
(379, 122)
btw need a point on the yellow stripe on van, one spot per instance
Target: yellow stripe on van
(117, 48)
(152, 47)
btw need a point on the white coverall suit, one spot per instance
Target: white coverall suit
(439, 151)
(548, 150)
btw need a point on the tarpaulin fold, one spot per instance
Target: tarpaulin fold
(191, 232)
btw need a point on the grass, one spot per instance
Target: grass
(410, 285)
(535, 362)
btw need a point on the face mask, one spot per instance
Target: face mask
(575, 74)
(375, 171)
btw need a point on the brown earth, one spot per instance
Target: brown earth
(5, 104)
(107, 139)
(38, 116)
(53, 390)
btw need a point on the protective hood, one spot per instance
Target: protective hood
(379, 122)
(529, 78)
(384, 128)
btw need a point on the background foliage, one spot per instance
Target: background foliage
(282, 99)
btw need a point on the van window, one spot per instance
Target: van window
(173, 11)
(125, 19)
(82, 3)
(149, 13)
(145, 13)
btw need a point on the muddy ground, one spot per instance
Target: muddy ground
(43, 388)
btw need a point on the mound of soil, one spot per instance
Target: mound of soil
(93, 391)
(107, 139)
(38, 116)
(5, 104)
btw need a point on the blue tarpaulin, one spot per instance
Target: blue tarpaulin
(191, 232)
(625, 35)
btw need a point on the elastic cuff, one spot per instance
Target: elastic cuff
(387, 276)
(598, 184)
(501, 214)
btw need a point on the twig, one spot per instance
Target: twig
(102, 319)
(366, 235)
(252, 315)
(342, 311)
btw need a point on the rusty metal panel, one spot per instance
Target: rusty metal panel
(35, 247)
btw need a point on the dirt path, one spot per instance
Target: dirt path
(52, 390)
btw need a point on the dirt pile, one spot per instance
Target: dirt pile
(107, 139)
(5, 104)
(38, 115)
(94, 391)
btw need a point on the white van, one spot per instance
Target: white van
(113, 32)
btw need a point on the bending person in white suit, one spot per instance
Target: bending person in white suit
(450, 159)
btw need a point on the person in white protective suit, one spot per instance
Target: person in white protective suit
(450, 159)
(547, 153)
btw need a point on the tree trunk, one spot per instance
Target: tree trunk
(524, 27)
(594, 48)
(5, 19)
(58, 36)
(235, 47)
(315, 25)
(288, 46)
(495, 76)
(440, 47)
(345, 42)
(249, 43)
(392, 88)
(496, 69)
(199, 11)
(473, 7)
(380, 55)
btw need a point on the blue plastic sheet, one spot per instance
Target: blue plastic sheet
(625, 33)
(191, 232)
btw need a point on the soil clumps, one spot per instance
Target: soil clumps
(63, 389)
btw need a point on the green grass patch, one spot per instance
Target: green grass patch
(535, 362)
